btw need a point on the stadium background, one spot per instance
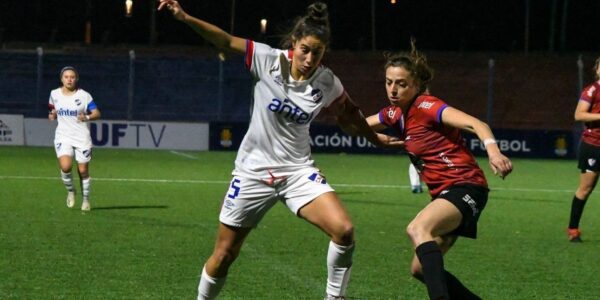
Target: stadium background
(519, 64)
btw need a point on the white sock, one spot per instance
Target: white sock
(414, 176)
(339, 264)
(209, 287)
(85, 188)
(67, 180)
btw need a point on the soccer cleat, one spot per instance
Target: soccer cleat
(71, 199)
(330, 297)
(574, 235)
(85, 206)
(416, 189)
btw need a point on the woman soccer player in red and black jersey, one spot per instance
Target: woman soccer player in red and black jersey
(587, 111)
(459, 191)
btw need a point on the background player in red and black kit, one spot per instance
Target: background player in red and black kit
(431, 132)
(587, 111)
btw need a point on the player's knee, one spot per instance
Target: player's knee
(415, 231)
(223, 258)
(416, 272)
(585, 191)
(344, 233)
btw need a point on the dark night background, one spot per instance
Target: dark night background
(460, 25)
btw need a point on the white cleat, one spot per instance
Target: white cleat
(71, 199)
(85, 206)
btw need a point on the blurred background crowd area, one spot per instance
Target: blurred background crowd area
(516, 63)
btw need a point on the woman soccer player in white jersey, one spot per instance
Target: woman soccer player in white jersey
(73, 107)
(274, 162)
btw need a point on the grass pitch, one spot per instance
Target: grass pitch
(154, 216)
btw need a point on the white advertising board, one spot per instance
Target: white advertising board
(128, 134)
(11, 130)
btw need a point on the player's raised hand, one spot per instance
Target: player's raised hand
(501, 165)
(174, 7)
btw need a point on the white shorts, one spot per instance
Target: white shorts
(248, 199)
(82, 154)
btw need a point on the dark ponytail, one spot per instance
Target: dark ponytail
(314, 23)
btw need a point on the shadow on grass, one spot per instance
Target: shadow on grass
(132, 207)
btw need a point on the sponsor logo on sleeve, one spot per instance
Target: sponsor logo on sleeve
(425, 105)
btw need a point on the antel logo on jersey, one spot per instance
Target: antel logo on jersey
(66, 112)
(317, 95)
(289, 110)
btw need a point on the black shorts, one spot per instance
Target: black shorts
(470, 200)
(589, 158)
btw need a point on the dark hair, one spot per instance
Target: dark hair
(414, 62)
(315, 23)
(69, 68)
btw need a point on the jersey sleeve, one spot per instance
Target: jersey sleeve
(336, 91)
(259, 57)
(429, 109)
(588, 93)
(51, 102)
(391, 116)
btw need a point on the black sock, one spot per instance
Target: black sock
(457, 290)
(432, 263)
(576, 211)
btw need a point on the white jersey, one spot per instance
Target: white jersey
(67, 109)
(278, 139)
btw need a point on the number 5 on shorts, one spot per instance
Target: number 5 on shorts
(234, 189)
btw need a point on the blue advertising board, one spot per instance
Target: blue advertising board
(331, 139)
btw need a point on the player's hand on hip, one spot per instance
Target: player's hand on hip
(174, 7)
(501, 165)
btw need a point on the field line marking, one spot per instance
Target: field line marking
(183, 154)
(348, 185)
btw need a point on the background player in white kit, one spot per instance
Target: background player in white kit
(274, 162)
(73, 107)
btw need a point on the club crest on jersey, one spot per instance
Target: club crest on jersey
(317, 95)
(391, 113)
(318, 178)
(289, 111)
(591, 162)
(78, 102)
(278, 79)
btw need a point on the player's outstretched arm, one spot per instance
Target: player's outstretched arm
(375, 123)
(209, 32)
(352, 121)
(500, 164)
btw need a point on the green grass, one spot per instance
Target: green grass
(155, 214)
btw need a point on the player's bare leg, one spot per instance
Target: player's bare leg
(587, 183)
(82, 168)
(429, 233)
(227, 249)
(328, 213)
(65, 163)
